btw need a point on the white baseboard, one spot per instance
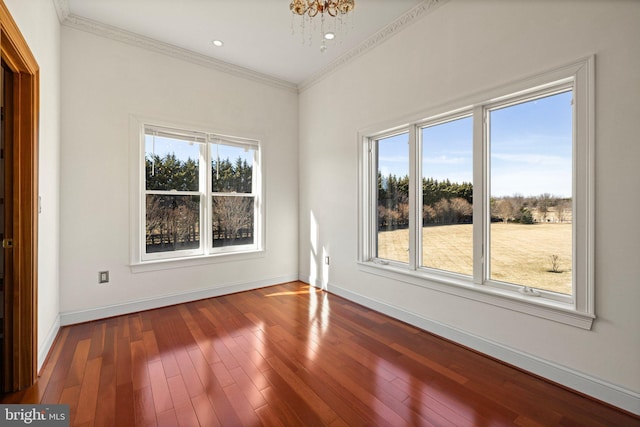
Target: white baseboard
(45, 347)
(612, 394)
(80, 316)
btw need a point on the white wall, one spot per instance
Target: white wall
(40, 27)
(462, 48)
(104, 82)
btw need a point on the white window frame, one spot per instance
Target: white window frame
(577, 309)
(141, 261)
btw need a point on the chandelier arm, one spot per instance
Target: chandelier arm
(314, 7)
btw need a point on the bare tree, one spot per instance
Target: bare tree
(544, 203)
(428, 214)
(403, 213)
(173, 220)
(233, 213)
(443, 211)
(562, 208)
(460, 208)
(382, 217)
(503, 209)
(154, 220)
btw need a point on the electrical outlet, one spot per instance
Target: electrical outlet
(326, 260)
(103, 277)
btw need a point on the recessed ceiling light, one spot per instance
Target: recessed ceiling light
(218, 43)
(329, 36)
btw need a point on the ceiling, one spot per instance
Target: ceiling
(257, 34)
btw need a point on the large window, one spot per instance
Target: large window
(492, 200)
(199, 193)
(531, 191)
(447, 195)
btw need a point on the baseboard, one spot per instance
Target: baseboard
(80, 316)
(43, 350)
(612, 394)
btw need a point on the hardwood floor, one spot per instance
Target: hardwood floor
(290, 355)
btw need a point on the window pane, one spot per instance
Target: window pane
(447, 196)
(172, 223)
(171, 164)
(232, 220)
(393, 198)
(531, 193)
(231, 169)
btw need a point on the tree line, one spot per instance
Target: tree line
(170, 173)
(531, 209)
(172, 221)
(445, 202)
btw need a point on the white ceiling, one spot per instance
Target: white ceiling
(257, 34)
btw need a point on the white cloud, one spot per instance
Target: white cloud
(445, 160)
(533, 159)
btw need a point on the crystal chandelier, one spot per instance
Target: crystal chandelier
(308, 9)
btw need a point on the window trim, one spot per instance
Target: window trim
(580, 312)
(138, 262)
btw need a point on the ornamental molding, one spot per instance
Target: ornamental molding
(137, 40)
(71, 20)
(402, 22)
(62, 9)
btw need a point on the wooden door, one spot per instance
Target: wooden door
(20, 104)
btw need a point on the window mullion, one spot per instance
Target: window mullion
(205, 197)
(415, 199)
(257, 198)
(480, 199)
(373, 199)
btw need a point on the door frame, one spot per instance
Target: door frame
(21, 293)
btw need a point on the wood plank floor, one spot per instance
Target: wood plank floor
(289, 355)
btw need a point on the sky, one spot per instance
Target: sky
(530, 149)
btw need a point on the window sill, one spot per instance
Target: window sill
(194, 261)
(534, 306)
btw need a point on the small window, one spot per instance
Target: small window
(200, 194)
(393, 197)
(172, 193)
(233, 194)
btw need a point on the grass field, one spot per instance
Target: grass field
(519, 253)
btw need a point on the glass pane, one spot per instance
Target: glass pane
(531, 193)
(447, 196)
(393, 198)
(231, 169)
(232, 220)
(171, 164)
(172, 223)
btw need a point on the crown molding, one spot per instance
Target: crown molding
(402, 22)
(62, 9)
(133, 39)
(84, 24)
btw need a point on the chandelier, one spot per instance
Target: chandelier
(308, 9)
